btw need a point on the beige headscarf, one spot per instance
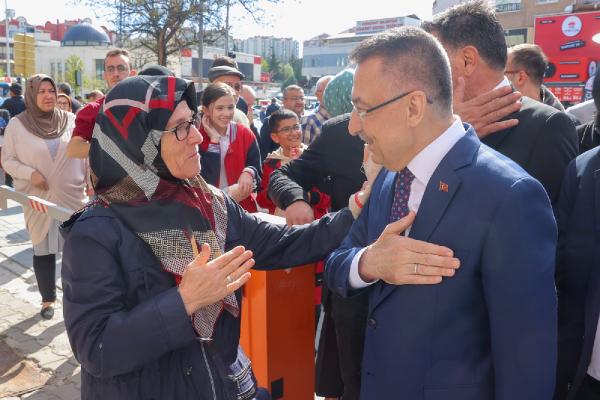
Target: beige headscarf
(47, 125)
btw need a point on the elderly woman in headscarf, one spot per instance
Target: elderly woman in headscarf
(152, 269)
(34, 153)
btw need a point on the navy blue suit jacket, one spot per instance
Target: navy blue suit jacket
(487, 333)
(578, 270)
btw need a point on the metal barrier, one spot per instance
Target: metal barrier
(35, 203)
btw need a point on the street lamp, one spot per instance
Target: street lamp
(8, 13)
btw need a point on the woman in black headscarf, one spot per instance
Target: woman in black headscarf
(146, 318)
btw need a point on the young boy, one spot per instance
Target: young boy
(286, 131)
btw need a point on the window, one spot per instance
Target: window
(99, 63)
(546, 1)
(508, 5)
(59, 71)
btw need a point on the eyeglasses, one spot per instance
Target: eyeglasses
(296, 98)
(182, 130)
(363, 114)
(120, 68)
(289, 129)
(235, 86)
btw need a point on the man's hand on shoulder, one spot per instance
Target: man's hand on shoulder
(299, 213)
(485, 111)
(400, 260)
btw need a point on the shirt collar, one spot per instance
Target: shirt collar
(425, 163)
(503, 82)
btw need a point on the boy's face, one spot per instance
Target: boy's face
(288, 133)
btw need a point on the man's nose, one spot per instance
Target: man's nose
(355, 124)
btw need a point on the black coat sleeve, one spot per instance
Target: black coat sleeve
(279, 246)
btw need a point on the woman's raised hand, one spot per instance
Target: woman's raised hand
(205, 282)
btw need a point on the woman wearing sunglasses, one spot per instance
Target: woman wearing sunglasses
(230, 156)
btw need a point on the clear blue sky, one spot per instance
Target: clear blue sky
(300, 19)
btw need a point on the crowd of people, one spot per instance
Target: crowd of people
(448, 198)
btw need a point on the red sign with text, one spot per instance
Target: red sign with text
(573, 55)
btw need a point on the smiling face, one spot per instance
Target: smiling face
(46, 96)
(386, 129)
(288, 134)
(220, 112)
(181, 156)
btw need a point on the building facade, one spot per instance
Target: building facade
(518, 16)
(284, 49)
(328, 54)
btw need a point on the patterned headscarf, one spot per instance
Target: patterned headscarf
(338, 93)
(47, 125)
(131, 178)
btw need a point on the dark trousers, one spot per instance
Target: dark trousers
(45, 272)
(589, 390)
(339, 358)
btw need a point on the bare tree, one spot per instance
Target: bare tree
(165, 27)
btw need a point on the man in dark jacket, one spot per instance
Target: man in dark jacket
(589, 135)
(15, 104)
(578, 280)
(545, 140)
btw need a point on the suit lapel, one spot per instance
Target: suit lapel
(439, 193)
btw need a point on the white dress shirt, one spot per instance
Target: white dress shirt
(594, 367)
(503, 82)
(422, 166)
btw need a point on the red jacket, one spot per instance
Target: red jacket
(242, 153)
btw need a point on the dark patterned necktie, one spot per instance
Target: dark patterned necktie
(399, 210)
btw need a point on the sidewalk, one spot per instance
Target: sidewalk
(43, 354)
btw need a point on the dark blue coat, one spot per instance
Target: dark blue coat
(127, 323)
(488, 332)
(578, 270)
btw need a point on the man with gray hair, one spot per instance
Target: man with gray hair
(473, 316)
(545, 140)
(525, 68)
(311, 123)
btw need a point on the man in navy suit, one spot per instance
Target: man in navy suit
(485, 330)
(578, 280)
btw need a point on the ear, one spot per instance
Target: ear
(469, 59)
(522, 78)
(416, 108)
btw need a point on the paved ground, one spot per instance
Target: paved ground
(42, 342)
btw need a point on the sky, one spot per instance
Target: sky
(299, 19)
